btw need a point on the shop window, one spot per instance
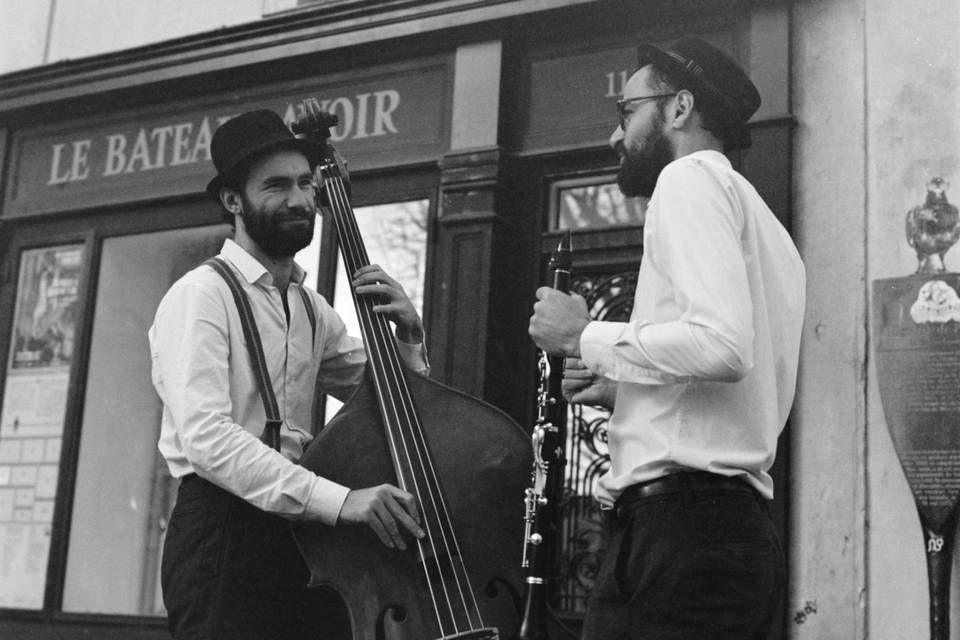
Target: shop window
(123, 492)
(395, 235)
(34, 409)
(593, 203)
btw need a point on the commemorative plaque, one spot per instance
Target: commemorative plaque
(917, 340)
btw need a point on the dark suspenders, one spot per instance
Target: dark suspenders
(271, 431)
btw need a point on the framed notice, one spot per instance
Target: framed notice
(32, 417)
(46, 308)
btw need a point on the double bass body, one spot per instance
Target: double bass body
(465, 462)
(482, 458)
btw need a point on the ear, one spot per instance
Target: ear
(231, 200)
(683, 109)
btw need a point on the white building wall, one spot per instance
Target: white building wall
(23, 33)
(30, 36)
(828, 503)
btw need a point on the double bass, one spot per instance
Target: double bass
(465, 461)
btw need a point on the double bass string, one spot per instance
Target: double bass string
(355, 247)
(356, 254)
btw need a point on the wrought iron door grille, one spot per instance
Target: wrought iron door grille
(609, 296)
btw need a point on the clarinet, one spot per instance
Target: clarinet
(542, 499)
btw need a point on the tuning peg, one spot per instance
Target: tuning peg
(312, 118)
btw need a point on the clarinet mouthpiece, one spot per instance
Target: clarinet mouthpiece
(561, 258)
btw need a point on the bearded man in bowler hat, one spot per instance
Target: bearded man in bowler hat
(231, 569)
(702, 376)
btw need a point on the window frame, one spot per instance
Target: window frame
(89, 229)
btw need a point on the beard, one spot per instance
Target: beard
(640, 169)
(281, 234)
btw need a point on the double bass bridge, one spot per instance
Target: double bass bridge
(489, 633)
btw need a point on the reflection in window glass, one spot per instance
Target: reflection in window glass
(309, 257)
(31, 423)
(395, 235)
(123, 491)
(592, 206)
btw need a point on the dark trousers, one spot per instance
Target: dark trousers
(231, 571)
(688, 565)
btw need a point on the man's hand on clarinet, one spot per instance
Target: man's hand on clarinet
(558, 320)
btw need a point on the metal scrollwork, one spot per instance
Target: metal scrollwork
(609, 297)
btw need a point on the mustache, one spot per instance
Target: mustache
(294, 214)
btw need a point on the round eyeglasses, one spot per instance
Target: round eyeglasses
(623, 115)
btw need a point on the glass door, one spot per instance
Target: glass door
(395, 235)
(123, 493)
(607, 247)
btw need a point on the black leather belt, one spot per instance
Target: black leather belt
(684, 482)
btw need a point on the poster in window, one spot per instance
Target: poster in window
(46, 319)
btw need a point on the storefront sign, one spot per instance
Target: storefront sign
(572, 98)
(385, 119)
(573, 95)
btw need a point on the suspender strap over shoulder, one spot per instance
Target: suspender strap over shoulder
(271, 432)
(311, 314)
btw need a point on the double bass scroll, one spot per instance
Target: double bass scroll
(464, 460)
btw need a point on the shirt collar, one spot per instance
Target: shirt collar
(711, 155)
(251, 268)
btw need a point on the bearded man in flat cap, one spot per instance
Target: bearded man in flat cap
(701, 378)
(231, 569)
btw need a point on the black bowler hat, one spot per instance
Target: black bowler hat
(240, 139)
(718, 77)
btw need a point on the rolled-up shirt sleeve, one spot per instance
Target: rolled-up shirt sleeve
(190, 358)
(415, 355)
(697, 246)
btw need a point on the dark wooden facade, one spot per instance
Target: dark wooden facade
(490, 227)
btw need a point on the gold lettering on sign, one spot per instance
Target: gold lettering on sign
(55, 177)
(356, 120)
(79, 167)
(141, 154)
(159, 135)
(387, 103)
(343, 109)
(364, 115)
(166, 146)
(181, 142)
(361, 130)
(201, 146)
(615, 83)
(116, 154)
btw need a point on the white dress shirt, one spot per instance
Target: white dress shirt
(706, 367)
(212, 412)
